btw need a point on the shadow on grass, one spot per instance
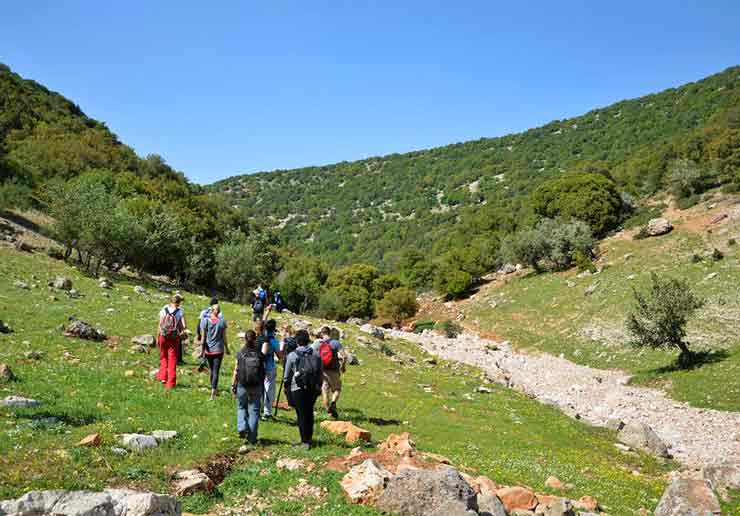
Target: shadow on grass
(357, 416)
(63, 418)
(694, 361)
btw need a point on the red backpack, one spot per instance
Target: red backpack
(328, 357)
(169, 327)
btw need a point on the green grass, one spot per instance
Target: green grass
(504, 435)
(541, 312)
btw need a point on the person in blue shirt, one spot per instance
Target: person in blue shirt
(267, 330)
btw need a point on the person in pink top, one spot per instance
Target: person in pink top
(171, 328)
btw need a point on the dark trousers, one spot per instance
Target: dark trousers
(303, 402)
(214, 364)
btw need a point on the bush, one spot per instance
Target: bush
(452, 283)
(642, 234)
(450, 329)
(330, 305)
(583, 262)
(695, 258)
(731, 242)
(398, 304)
(684, 203)
(717, 255)
(660, 315)
(556, 242)
(424, 325)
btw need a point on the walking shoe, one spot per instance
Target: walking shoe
(306, 446)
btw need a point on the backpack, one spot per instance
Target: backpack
(308, 373)
(290, 346)
(169, 327)
(259, 305)
(328, 356)
(251, 368)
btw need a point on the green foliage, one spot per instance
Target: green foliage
(660, 314)
(452, 282)
(717, 255)
(556, 243)
(449, 328)
(245, 261)
(398, 304)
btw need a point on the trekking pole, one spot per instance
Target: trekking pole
(277, 400)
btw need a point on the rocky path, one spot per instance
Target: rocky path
(696, 437)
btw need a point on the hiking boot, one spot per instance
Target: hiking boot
(243, 434)
(306, 446)
(333, 410)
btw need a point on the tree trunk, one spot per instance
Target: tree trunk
(685, 357)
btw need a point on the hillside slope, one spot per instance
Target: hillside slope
(376, 209)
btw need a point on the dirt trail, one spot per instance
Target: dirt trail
(695, 436)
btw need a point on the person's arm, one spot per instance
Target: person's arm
(226, 339)
(266, 345)
(234, 377)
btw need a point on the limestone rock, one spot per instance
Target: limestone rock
(356, 321)
(6, 374)
(164, 435)
(400, 444)
(554, 506)
(192, 481)
(33, 355)
(105, 283)
(90, 440)
(62, 283)
(517, 498)
(553, 482)
(143, 340)
(21, 285)
(289, 464)
(140, 290)
(373, 331)
(413, 491)
(352, 359)
(4, 328)
(352, 433)
(19, 402)
(659, 226)
(722, 477)
(490, 505)
(641, 436)
(112, 502)
(365, 482)
(82, 330)
(138, 442)
(688, 497)
(587, 503)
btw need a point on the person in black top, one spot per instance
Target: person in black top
(303, 377)
(247, 385)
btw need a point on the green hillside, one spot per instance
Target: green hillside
(385, 210)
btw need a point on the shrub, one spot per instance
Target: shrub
(684, 203)
(555, 242)
(642, 234)
(660, 315)
(695, 258)
(731, 242)
(398, 304)
(717, 255)
(583, 262)
(452, 283)
(450, 329)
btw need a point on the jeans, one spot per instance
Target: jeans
(214, 364)
(168, 361)
(269, 392)
(303, 402)
(248, 411)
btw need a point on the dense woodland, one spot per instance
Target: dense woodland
(359, 238)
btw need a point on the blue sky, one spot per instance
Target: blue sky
(219, 88)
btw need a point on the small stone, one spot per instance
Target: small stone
(144, 340)
(352, 359)
(351, 432)
(587, 503)
(659, 226)
(4, 328)
(6, 374)
(19, 402)
(164, 435)
(21, 285)
(140, 290)
(553, 482)
(62, 283)
(400, 444)
(517, 498)
(138, 442)
(33, 355)
(90, 440)
(118, 451)
(291, 464)
(192, 481)
(365, 482)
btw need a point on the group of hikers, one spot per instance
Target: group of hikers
(310, 368)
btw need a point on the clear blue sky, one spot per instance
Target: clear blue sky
(219, 88)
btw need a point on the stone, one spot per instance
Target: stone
(289, 464)
(138, 442)
(522, 512)
(554, 506)
(711, 276)
(591, 288)
(659, 226)
(62, 283)
(352, 433)
(413, 491)
(553, 482)
(140, 290)
(163, 435)
(105, 283)
(614, 423)
(33, 355)
(83, 330)
(19, 402)
(365, 482)
(490, 505)
(690, 497)
(373, 331)
(4, 328)
(138, 348)
(21, 285)
(642, 437)
(587, 503)
(400, 444)
(111, 502)
(6, 374)
(722, 477)
(192, 481)
(73, 294)
(352, 359)
(517, 498)
(300, 324)
(144, 340)
(90, 440)
(118, 451)
(356, 321)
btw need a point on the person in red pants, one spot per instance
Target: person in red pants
(171, 328)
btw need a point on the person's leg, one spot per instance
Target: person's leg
(180, 349)
(269, 398)
(310, 402)
(299, 405)
(241, 410)
(171, 345)
(325, 391)
(162, 374)
(254, 416)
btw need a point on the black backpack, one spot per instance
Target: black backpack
(251, 369)
(308, 372)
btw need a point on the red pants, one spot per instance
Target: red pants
(168, 349)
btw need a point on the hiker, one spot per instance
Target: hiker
(273, 348)
(302, 379)
(259, 304)
(172, 326)
(333, 362)
(288, 345)
(247, 386)
(214, 342)
(277, 302)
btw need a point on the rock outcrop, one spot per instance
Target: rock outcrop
(657, 227)
(365, 482)
(82, 330)
(642, 437)
(688, 497)
(111, 502)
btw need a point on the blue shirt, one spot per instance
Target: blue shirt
(270, 364)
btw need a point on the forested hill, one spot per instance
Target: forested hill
(388, 209)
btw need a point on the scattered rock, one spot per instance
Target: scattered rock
(62, 283)
(21, 284)
(517, 498)
(105, 283)
(587, 503)
(118, 451)
(711, 276)
(490, 505)
(688, 496)
(553, 482)
(373, 331)
(4, 328)
(352, 359)
(82, 330)
(292, 464)
(192, 481)
(33, 355)
(6, 374)
(722, 477)
(140, 290)
(138, 442)
(483, 389)
(554, 506)
(138, 348)
(413, 491)
(19, 402)
(591, 288)
(400, 444)
(129, 374)
(163, 435)
(642, 437)
(144, 340)
(90, 440)
(356, 321)
(365, 482)
(657, 227)
(300, 324)
(111, 502)
(73, 294)
(614, 423)
(351, 432)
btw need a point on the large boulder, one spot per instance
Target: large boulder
(688, 497)
(365, 482)
(18, 402)
(490, 505)
(414, 491)
(111, 502)
(138, 442)
(642, 437)
(517, 498)
(82, 330)
(192, 481)
(657, 227)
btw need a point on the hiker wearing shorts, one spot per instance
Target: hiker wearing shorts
(302, 379)
(333, 361)
(214, 342)
(171, 328)
(247, 385)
